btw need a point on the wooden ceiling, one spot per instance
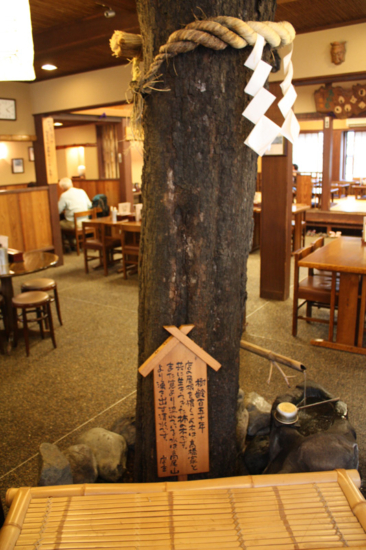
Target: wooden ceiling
(74, 34)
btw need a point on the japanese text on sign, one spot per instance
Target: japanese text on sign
(181, 414)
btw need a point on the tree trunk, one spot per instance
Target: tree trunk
(198, 186)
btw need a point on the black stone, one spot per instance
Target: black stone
(256, 455)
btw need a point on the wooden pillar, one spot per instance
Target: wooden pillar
(39, 152)
(327, 161)
(276, 226)
(276, 216)
(125, 164)
(336, 161)
(43, 176)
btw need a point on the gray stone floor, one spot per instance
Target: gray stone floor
(90, 379)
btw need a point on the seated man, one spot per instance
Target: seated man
(71, 201)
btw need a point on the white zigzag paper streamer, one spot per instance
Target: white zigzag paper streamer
(265, 130)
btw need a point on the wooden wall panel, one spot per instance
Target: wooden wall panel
(13, 186)
(111, 190)
(10, 220)
(35, 214)
(108, 187)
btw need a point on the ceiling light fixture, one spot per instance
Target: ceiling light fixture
(16, 42)
(109, 13)
(58, 123)
(49, 67)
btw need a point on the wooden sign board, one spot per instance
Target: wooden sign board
(50, 150)
(181, 412)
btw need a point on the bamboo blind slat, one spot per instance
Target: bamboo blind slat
(229, 483)
(315, 511)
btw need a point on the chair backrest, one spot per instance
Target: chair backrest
(90, 231)
(314, 246)
(299, 255)
(85, 214)
(304, 189)
(317, 244)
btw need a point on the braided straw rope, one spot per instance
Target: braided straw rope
(216, 33)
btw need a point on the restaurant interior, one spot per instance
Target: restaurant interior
(75, 122)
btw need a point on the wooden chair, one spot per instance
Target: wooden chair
(33, 302)
(100, 241)
(130, 245)
(304, 189)
(313, 290)
(77, 232)
(92, 213)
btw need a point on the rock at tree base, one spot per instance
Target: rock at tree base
(126, 427)
(55, 468)
(110, 450)
(254, 400)
(256, 455)
(83, 463)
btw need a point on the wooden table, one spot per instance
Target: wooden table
(32, 262)
(343, 186)
(346, 256)
(317, 192)
(115, 228)
(298, 213)
(359, 189)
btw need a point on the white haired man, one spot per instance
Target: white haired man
(71, 200)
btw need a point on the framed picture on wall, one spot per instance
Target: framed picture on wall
(17, 166)
(31, 154)
(278, 147)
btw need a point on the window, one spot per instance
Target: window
(355, 158)
(308, 152)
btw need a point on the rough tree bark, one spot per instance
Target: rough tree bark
(198, 187)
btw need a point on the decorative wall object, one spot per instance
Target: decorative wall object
(31, 154)
(338, 52)
(342, 102)
(17, 166)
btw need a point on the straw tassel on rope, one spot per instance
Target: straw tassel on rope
(216, 33)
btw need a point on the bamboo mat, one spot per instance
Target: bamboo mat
(315, 510)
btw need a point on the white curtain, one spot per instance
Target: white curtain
(355, 155)
(308, 152)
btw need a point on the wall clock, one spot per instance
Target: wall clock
(7, 109)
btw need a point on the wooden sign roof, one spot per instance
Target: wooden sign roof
(181, 404)
(178, 335)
